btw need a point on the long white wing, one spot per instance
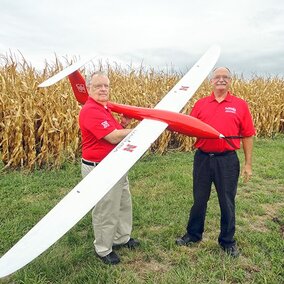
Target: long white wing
(65, 72)
(83, 197)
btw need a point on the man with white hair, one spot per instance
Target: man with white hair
(101, 132)
(216, 161)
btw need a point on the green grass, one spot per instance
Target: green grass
(162, 195)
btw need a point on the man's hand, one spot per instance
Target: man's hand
(124, 120)
(246, 172)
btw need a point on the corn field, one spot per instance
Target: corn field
(39, 126)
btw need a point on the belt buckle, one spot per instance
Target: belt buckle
(211, 155)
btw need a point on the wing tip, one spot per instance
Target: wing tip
(44, 84)
(63, 73)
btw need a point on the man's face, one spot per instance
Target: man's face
(221, 79)
(99, 89)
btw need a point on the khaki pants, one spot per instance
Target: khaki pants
(112, 216)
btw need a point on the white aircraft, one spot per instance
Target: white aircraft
(85, 195)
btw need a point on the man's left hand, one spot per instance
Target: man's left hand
(246, 172)
(124, 120)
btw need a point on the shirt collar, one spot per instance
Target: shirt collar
(228, 97)
(96, 103)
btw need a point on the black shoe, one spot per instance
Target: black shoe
(131, 244)
(232, 251)
(185, 240)
(112, 258)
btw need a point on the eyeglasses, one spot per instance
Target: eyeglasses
(219, 77)
(100, 86)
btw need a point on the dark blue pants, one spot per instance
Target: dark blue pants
(223, 171)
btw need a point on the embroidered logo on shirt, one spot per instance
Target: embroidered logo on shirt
(105, 124)
(230, 109)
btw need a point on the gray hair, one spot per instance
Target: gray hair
(96, 73)
(213, 71)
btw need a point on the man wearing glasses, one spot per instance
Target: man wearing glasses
(101, 132)
(216, 161)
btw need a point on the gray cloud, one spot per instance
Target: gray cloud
(160, 34)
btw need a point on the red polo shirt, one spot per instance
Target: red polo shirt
(231, 117)
(96, 121)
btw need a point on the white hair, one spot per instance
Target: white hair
(97, 73)
(216, 68)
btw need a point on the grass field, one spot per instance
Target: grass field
(162, 195)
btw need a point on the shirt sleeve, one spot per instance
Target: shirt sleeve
(247, 127)
(100, 125)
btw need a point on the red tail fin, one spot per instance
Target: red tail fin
(79, 87)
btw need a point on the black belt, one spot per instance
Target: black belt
(89, 163)
(214, 154)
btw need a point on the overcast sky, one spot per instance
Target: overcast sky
(155, 33)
